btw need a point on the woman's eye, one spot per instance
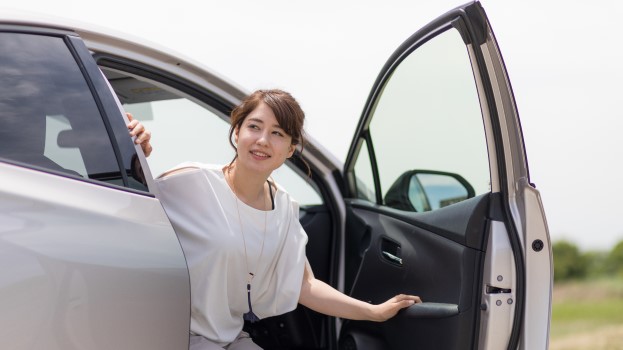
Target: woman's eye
(253, 126)
(277, 133)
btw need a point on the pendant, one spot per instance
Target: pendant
(250, 316)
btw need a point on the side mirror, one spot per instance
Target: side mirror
(426, 190)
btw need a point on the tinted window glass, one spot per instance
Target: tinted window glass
(427, 130)
(48, 117)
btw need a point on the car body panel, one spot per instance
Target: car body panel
(76, 256)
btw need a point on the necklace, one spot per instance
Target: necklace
(249, 316)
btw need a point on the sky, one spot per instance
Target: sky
(563, 59)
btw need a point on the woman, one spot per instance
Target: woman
(240, 232)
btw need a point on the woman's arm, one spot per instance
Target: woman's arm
(325, 299)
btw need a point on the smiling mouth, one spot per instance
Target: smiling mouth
(260, 154)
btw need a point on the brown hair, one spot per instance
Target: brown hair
(287, 110)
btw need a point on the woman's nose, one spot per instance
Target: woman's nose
(263, 139)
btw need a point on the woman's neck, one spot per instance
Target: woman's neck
(249, 186)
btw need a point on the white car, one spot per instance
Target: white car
(434, 198)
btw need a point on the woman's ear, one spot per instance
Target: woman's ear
(236, 130)
(291, 150)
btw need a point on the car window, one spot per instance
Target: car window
(49, 118)
(427, 130)
(299, 185)
(187, 129)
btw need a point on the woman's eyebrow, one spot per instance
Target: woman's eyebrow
(258, 120)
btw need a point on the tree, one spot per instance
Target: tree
(596, 263)
(614, 261)
(569, 263)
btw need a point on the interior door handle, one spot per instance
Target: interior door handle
(390, 250)
(392, 258)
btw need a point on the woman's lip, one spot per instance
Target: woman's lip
(258, 154)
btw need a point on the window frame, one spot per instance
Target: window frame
(102, 97)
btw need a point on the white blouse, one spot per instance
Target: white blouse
(202, 209)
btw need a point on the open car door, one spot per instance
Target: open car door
(439, 202)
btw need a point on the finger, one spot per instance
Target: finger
(402, 297)
(413, 298)
(129, 115)
(143, 137)
(137, 129)
(147, 150)
(406, 303)
(132, 124)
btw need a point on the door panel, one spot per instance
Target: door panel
(87, 267)
(441, 269)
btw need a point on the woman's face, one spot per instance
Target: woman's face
(263, 145)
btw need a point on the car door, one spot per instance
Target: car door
(88, 257)
(439, 202)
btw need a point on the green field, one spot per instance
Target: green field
(587, 315)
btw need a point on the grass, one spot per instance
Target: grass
(587, 310)
(571, 318)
